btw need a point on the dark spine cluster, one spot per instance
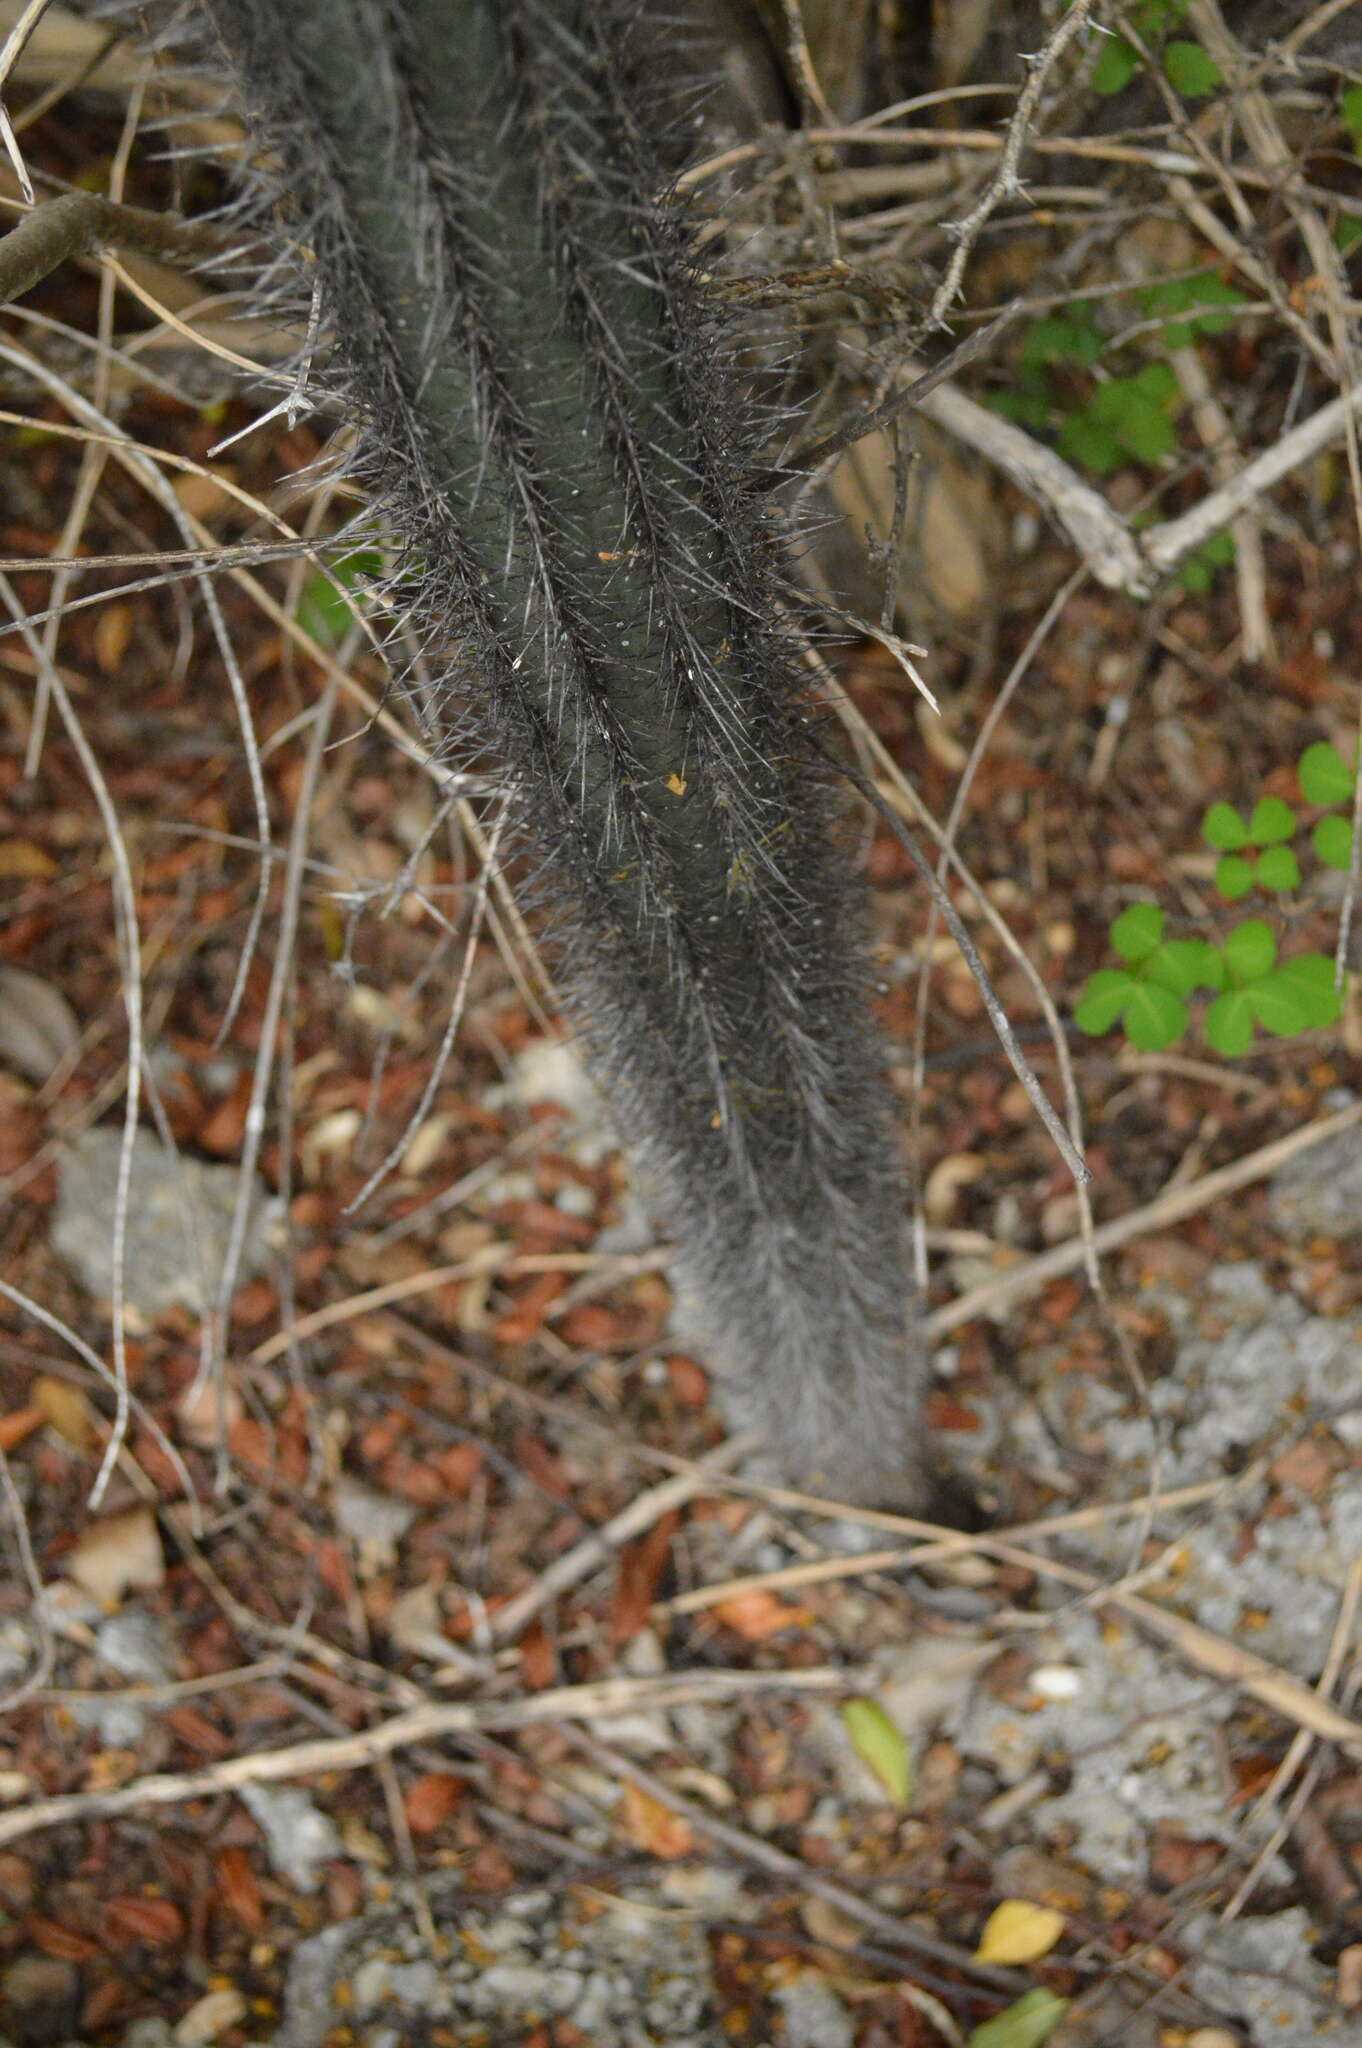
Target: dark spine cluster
(552, 427)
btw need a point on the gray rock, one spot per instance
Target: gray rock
(628, 1977)
(374, 1522)
(1319, 1192)
(298, 1835)
(815, 2016)
(1262, 1972)
(152, 2032)
(40, 1996)
(135, 1644)
(179, 1219)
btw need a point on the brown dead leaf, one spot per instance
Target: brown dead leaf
(459, 1467)
(520, 1323)
(689, 1381)
(202, 494)
(239, 1888)
(196, 1731)
(221, 1135)
(56, 1939)
(156, 1922)
(1308, 1465)
(655, 1827)
(431, 1800)
(542, 1465)
(538, 1659)
(640, 1571)
(19, 1424)
(755, 1615)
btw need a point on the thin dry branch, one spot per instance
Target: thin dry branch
(79, 222)
(1119, 557)
(433, 1721)
(1173, 1206)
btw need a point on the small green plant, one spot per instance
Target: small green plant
(1248, 985)
(1234, 837)
(1347, 227)
(1326, 780)
(1189, 69)
(1107, 400)
(325, 612)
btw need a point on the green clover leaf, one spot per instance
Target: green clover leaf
(1277, 1006)
(1229, 1024)
(1223, 828)
(1154, 1017)
(1324, 775)
(1105, 995)
(1137, 932)
(1184, 965)
(1278, 868)
(1233, 876)
(1272, 822)
(1250, 951)
(1310, 977)
(1332, 840)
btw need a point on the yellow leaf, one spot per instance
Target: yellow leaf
(67, 1411)
(22, 861)
(1019, 1932)
(878, 1741)
(677, 784)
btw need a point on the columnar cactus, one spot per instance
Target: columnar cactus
(553, 429)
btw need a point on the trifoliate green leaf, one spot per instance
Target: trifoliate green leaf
(1250, 951)
(1183, 965)
(1136, 932)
